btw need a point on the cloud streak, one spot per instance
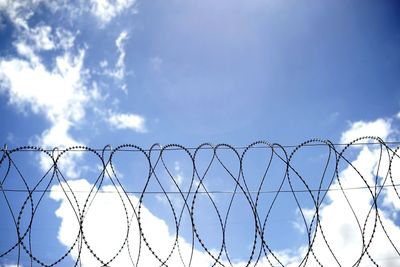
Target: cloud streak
(106, 10)
(127, 121)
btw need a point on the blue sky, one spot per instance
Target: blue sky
(104, 72)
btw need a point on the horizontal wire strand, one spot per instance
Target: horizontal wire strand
(209, 192)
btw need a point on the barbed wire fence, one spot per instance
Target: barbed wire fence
(183, 201)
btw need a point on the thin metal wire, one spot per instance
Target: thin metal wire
(183, 202)
(208, 192)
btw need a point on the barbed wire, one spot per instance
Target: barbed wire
(108, 148)
(184, 201)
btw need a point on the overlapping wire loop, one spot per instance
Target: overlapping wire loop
(185, 201)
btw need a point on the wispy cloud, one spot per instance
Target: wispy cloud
(156, 63)
(106, 10)
(128, 121)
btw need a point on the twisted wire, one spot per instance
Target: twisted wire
(183, 202)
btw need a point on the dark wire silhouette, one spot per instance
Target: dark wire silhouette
(336, 159)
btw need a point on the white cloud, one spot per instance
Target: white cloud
(18, 11)
(107, 212)
(120, 43)
(299, 222)
(103, 63)
(26, 51)
(338, 221)
(42, 37)
(341, 229)
(118, 71)
(58, 136)
(65, 39)
(127, 121)
(391, 197)
(106, 10)
(379, 127)
(59, 94)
